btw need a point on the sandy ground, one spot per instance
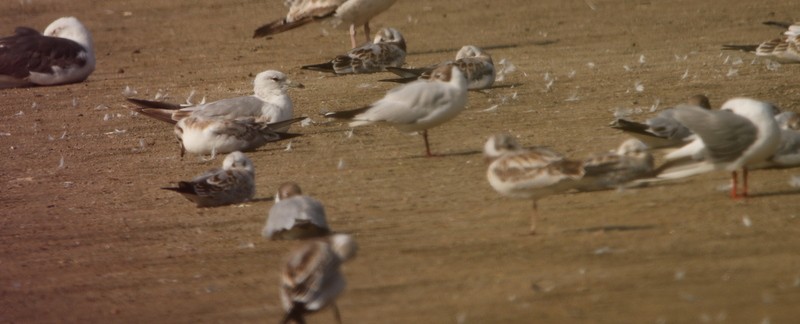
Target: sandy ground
(97, 241)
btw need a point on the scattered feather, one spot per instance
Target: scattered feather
(68, 184)
(591, 5)
(340, 165)
(746, 221)
(794, 181)
(492, 108)
(248, 245)
(288, 147)
(573, 96)
(34, 105)
(685, 74)
(641, 59)
(571, 74)
(63, 135)
(639, 86)
(349, 133)
(772, 65)
(737, 61)
(306, 122)
(189, 98)
(506, 68)
(20, 113)
(679, 275)
(591, 65)
(61, 163)
(101, 107)
(5, 134)
(627, 68)
(129, 92)
(107, 117)
(732, 72)
(655, 105)
(160, 95)
(74, 102)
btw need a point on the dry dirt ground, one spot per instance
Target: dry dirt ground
(96, 240)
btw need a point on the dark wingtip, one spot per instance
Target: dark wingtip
(781, 24)
(153, 104)
(322, 67)
(745, 48)
(346, 114)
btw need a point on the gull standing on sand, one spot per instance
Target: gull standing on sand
(743, 133)
(209, 135)
(417, 106)
(63, 54)
(295, 216)
(269, 103)
(233, 183)
(351, 12)
(387, 50)
(784, 49)
(538, 172)
(312, 277)
(473, 62)
(663, 130)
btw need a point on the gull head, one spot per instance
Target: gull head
(271, 82)
(788, 120)
(344, 246)
(70, 28)
(471, 51)
(287, 190)
(390, 35)
(237, 160)
(500, 144)
(699, 100)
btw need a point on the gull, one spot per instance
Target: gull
(387, 50)
(233, 183)
(535, 173)
(352, 12)
(742, 134)
(312, 278)
(788, 153)
(209, 135)
(270, 102)
(663, 130)
(295, 216)
(62, 54)
(474, 63)
(416, 106)
(784, 49)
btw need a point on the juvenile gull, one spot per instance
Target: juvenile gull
(473, 62)
(743, 133)
(416, 106)
(784, 49)
(233, 183)
(312, 278)
(663, 130)
(352, 12)
(269, 103)
(535, 173)
(387, 50)
(295, 216)
(62, 54)
(209, 135)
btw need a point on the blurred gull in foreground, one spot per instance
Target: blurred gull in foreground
(312, 278)
(295, 216)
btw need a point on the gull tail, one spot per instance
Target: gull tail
(281, 25)
(745, 48)
(324, 67)
(346, 114)
(154, 104)
(779, 24)
(406, 73)
(285, 123)
(295, 314)
(682, 168)
(183, 187)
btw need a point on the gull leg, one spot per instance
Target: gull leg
(744, 182)
(336, 314)
(353, 35)
(366, 31)
(733, 185)
(534, 216)
(427, 146)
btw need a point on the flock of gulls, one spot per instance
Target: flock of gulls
(742, 135)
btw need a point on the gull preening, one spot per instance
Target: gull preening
(210, 135)
(788, 153)
(388, 49)
(663, 130)
(312, 278)
(351, 12)
(295, 216)
(269, 103)
(232, 184)
(534, 173)
(416, 106)
(742, 134)
(62, 54)
(784, 49)
(473, 62)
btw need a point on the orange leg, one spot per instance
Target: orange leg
(734, 185)
(427, 146)
(744, 182)
(353, 35)
(366, 31)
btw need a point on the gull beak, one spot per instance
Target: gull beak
(292, 84)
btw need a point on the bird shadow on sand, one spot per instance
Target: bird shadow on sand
(443, 155)
(611, 228)
(263, 199)
(775, 193)
(488, 47)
